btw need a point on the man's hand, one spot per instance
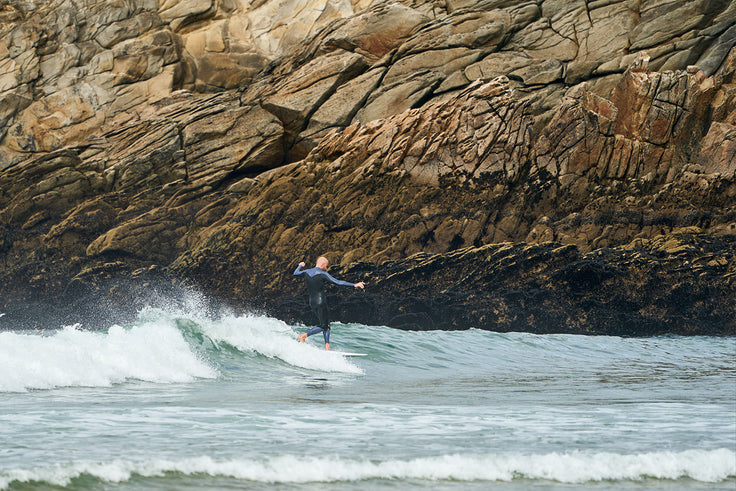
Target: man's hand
(360, 285)
(302, 264)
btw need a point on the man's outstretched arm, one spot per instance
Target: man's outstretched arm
(299, 271)
(344, 283)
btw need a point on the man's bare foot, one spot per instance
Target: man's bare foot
(303, 337)
(327, 346)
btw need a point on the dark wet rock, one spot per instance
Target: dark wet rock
(639, 289)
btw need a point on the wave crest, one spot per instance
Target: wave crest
(71, 357)
(711, 466)
(161, 347)
(273, 339)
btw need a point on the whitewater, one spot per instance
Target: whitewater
(183, 399)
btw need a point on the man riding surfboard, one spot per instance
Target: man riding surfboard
(315, 279)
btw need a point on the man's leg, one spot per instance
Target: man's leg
(326, 333)
(303, 336)
(324, 323)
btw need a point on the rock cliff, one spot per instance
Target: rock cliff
(547, 166)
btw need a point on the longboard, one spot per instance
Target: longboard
(344, 353)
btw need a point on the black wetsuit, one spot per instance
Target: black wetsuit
(315, 279)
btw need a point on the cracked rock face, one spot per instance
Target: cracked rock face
(553, 166)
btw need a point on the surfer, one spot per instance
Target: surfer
(315, 279)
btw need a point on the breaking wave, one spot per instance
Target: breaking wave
(160, 347)
(712, 466)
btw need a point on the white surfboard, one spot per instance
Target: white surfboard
(344, 353)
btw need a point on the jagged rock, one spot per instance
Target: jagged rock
(375, 33)
(340, 108)
(414, 202)
(300, 94)
(211, 142)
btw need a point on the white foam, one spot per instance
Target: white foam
(700, 465)
(274, 339)
(154, 352)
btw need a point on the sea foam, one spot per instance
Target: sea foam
(701, 465)
(70, 357)
(274, 339)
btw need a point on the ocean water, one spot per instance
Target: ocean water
(180, 400)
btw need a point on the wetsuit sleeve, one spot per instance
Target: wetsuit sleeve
(338, 282)
(298, 271)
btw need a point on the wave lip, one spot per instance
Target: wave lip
(75, 358)
(711, 466)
